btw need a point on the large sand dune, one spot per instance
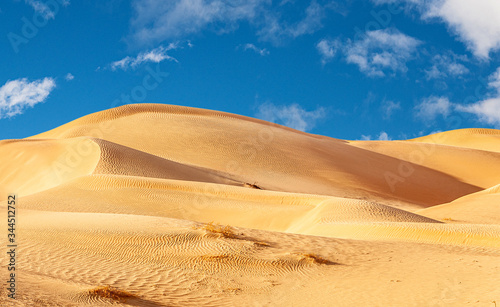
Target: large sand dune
(125, 198)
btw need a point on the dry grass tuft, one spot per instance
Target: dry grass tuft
(225, 231)
(312, 258)
(111, 293)
(232, 290)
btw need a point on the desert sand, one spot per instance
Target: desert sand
(176, 206)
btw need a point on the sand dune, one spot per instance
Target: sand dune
(482, 207)
(126, 197)
(122, 160)
(252, 151)
(30, 166)
(476, 167)
(482, 139)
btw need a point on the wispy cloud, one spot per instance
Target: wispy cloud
(261, 51)
(156, 55)
(158, 20)
(276, 31)
(432, 107)
(293, 116)
(376, 52)
(444, 66)
(487, 110)
(69, 77)
(383, 136)
(328, 49)
(494, 81)
(44, 9)
(389, 107)
(476, 23)
(381, 50)
(41, 8)
(18, 95)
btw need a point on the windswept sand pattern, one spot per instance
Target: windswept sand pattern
(176, 206)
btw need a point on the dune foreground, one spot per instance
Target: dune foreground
(160, 205)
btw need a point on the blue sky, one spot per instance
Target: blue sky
(373, 69)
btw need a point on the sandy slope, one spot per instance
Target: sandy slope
(476, 167)
(483, 139)
(168, 263)
(481, 207)
(30, 166)
(119, 197)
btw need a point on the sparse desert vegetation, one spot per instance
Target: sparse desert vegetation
(313, 258)
(225, 231)
(111, 293)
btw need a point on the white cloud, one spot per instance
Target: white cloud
(18, 95)
(69, 77)
(275, 31)
(388, 107)
(446, 66)
(475, 22)
(328, 49)
(433, 106)
(494, 81)
(433, 132)
(311, 22)
(383, 136)
(381, 50)
(158, 20)
(293, 116)
(155, 55)
(487, 111)
(260, 51)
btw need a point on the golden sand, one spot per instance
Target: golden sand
(158, 205)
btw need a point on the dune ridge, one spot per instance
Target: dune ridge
(252, 151)
(474, 138)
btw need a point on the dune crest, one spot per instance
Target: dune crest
(252, 151)
(30, 166)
